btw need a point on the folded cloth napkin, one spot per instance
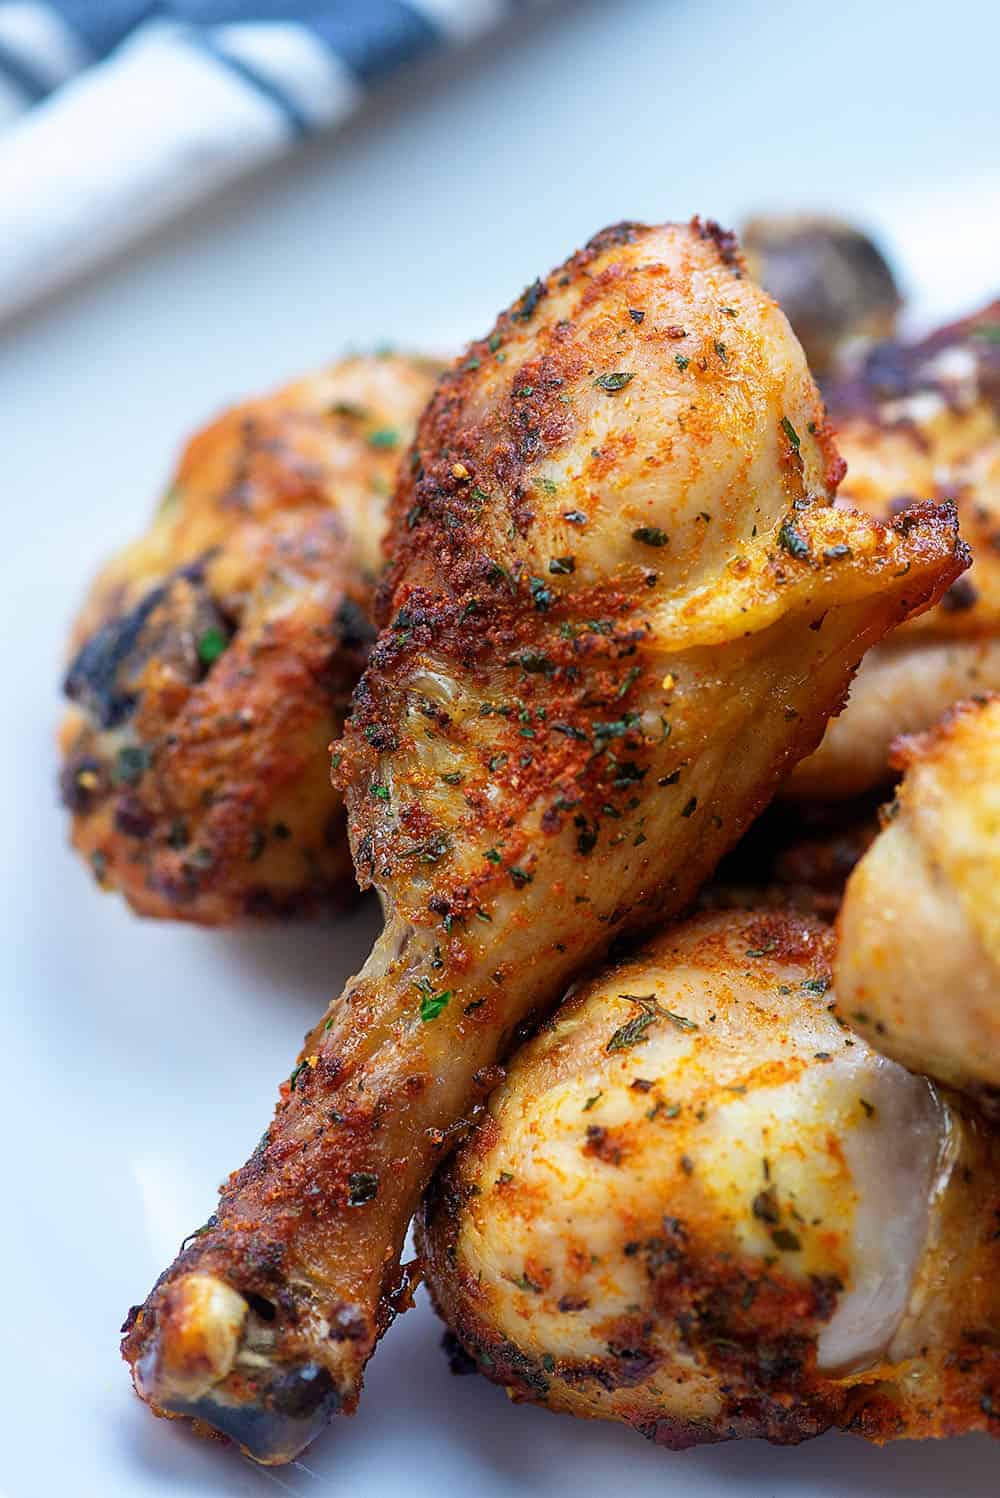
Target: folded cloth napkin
(117, 114)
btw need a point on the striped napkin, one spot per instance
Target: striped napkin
(117, 114)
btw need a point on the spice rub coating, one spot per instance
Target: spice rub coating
(214, 659)
(699, 1205)
(620, 604)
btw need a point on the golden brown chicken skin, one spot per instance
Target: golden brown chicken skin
(919, 955)
(620, 605)
(920, 421)
(214, 659)
(701, 1206)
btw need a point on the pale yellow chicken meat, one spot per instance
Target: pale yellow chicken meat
(620, 605)
(918, 964)
(214, 659)
(920, 421)
(700, 1205)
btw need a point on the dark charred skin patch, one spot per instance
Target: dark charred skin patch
(749, 1325)
(104, 676)
(607, 1145)
(725, 242)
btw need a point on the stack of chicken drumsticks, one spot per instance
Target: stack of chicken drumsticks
(711, 1152)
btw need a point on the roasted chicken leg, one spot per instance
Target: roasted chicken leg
(701, 1206)
(215, 657)
(918, 964)
(620, 605)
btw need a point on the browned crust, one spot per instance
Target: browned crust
(197, 776)
(911, 748)
(751, 1328)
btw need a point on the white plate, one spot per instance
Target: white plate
(138, 1062)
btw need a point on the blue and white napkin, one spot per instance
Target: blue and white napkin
(117, 114)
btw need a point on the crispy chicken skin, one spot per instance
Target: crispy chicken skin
(920, 421)
(832, 280)
(214, 659)
(699, 1205)
(918, 964)
(620, 605)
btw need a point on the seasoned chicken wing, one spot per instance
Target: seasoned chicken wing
(836, 287)
(621, 604)
(214, 658)
(918, 966)
(920, 421)
(701, 1206)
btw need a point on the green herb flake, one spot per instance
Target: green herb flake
(380, 792)
(210, 646)
(631, 674)
(131, 763)
(720, 349)
(431, 1002)
(679, 1021)
(785, 1240)
(296, 1074)
(562, 565)
(682, 361)
(492, 855)
(650, 535)
(616, 380)
(790, 433)
(385, 438)
(362, 1186)
(762, 951)
(793, 541)
(592, 1100)
(631, 1033)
